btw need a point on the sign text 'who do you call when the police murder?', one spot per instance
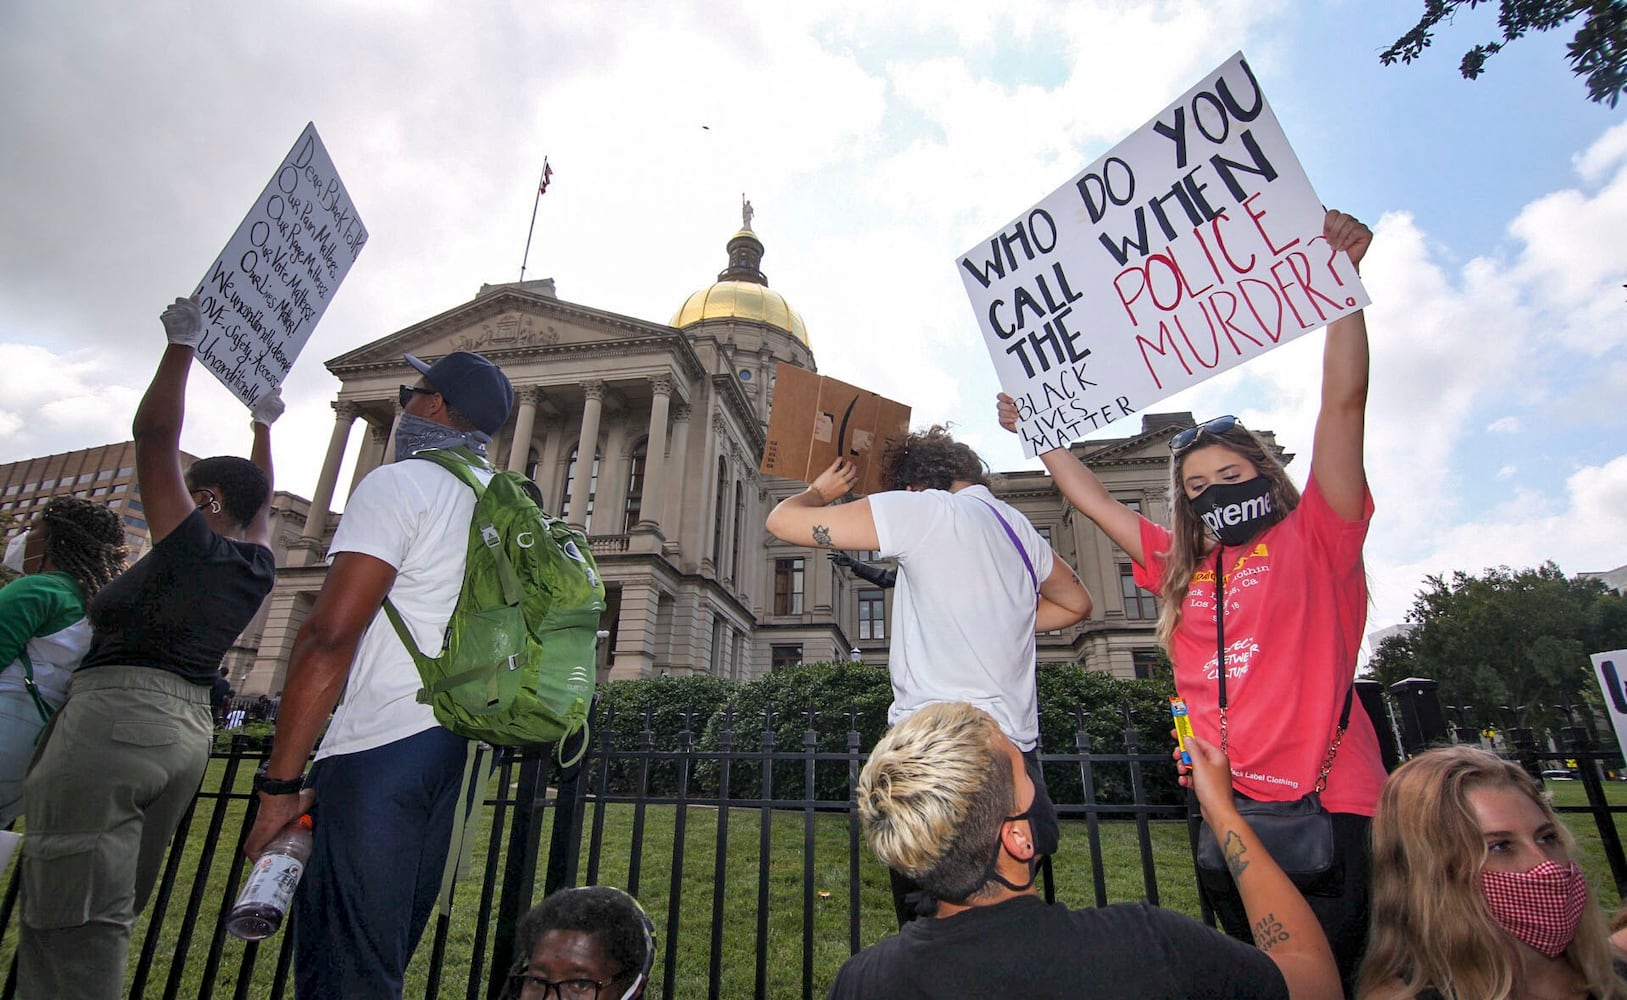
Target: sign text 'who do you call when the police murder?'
(1193, 245)
(266, 291)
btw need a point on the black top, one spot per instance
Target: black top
(1027, 948)
(182, 605)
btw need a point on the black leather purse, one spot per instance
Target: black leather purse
(1297, 833)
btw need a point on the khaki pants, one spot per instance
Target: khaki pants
(116, 771)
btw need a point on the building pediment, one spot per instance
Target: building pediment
(501, 321)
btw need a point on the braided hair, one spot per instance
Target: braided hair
(84, 540)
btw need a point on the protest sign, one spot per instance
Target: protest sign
(1611, 670)
(265, 292)
(815, 418)
(1192, 246)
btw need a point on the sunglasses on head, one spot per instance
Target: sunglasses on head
(1185, 439)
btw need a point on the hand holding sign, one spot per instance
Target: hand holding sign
(183, 322)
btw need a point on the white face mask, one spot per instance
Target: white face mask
(14, 552)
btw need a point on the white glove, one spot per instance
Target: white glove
(268, 408)
(183, 322)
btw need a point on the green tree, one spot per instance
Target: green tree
(1511, 644)
(1598, 52)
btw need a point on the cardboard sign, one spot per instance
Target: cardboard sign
(816, 418)
(265, 292)
(1611, 670)
(1192, 246)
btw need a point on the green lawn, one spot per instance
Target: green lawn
(690, 949)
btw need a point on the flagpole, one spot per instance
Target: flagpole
(542, 186)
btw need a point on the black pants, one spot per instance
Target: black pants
(909, 897)
(1343, 916)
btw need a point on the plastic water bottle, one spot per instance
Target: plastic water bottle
(264, 901)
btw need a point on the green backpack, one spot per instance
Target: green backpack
(518, 662)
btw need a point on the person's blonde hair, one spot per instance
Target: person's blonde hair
(1431, 928)
(933, 795)
(1189, 537)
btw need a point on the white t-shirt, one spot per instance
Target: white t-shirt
(964, 607)
(413, 515)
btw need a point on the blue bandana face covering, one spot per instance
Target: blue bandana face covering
(416, 434)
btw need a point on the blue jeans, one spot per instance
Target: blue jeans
(383, 822)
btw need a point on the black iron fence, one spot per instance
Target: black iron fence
(745, 850)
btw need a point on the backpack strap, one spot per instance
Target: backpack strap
(477, 771)
(40, 704)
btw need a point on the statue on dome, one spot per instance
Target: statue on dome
(746, 211)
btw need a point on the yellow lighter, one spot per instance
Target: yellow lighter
(1183, 727)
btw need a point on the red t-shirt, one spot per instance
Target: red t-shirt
(1296, 603)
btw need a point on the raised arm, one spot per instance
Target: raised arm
(1336, 454)
(157, 426)
(806, 518)
(1084, 490)
(1284, 926)
(1063, 599)
(264, 412)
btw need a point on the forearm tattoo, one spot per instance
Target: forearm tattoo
(821, 535)
(1234, 851)
(1268, 932)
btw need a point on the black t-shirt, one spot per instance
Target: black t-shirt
(1027, 948)
(182, 605)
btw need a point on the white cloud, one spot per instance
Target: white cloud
(1504, 425)
(1507, 472)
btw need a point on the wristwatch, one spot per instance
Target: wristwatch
(277, 786)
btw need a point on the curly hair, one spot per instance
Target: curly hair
(1189, 537)
(1431, 927)
(84, 540)
(242, 485)
(933, 795)
(612, 916)
(931, 460)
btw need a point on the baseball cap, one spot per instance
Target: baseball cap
(471, 385)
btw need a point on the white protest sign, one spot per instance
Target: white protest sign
(265, 292)
(1192, 246)
(1611, 670)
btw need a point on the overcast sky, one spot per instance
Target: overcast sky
(877, 141)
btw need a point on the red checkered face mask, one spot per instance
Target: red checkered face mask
(1541, 907)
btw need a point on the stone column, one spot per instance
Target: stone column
(372, 452)
(524, 422)
(586, 445)
(655, 451)
(316, 522)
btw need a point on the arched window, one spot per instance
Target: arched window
(635, 485)
(739, 529)
(717, 513)
(593, 488)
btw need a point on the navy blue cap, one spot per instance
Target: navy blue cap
(471, 385)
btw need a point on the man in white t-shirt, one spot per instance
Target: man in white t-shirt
(386, 776)
(975, 582)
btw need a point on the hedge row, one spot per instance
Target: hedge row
(828, 700)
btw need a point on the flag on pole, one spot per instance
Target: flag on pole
(547, 174)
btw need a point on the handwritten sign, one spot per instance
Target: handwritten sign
(1192, 246)
(815, 418)
(1611, 670)
(266, 291)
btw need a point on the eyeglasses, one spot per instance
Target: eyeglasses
(408, 391)
(537, 988)
(1185, 439)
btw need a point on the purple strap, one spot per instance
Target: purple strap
(1032, 577)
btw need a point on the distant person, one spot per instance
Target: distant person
(123, 758)
(271, 708)
(1476, 890)
(946, 798)
(1288, 569)
(591, 943)
(386, 776)
(71, 550)
(975, 581)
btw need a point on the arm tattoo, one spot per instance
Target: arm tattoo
(821, 535)
(1234, 851)
(1268, 932)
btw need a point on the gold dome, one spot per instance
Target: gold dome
(742, 291)
(744, 300)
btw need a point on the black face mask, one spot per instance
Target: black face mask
(1236, 512)
(991, 871)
